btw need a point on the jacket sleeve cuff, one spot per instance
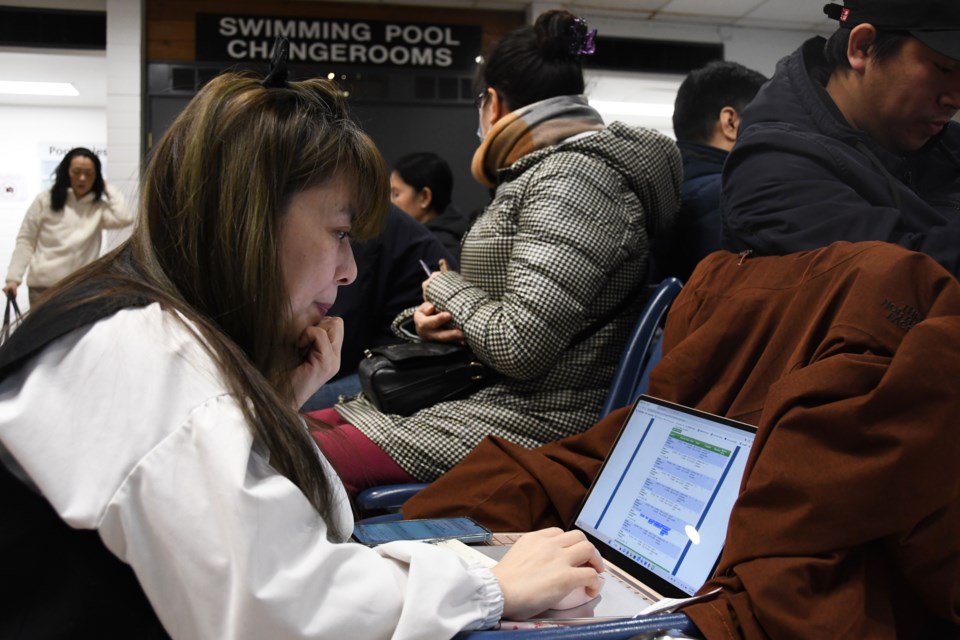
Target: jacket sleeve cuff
(491, 597)
(402, 325)
(443, 288)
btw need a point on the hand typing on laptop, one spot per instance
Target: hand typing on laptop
(543, 568)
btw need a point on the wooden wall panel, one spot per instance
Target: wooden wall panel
(171, 24)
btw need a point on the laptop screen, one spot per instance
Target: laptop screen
(660, 505)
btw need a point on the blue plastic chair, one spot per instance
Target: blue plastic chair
(643, 349)
(384, 498)
(631, 378)
(673, 624)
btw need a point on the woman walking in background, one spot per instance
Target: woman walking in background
(62, 229)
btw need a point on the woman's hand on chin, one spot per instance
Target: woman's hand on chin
(436, 326)
(319, 348)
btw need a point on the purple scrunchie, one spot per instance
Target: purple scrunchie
(584, 40)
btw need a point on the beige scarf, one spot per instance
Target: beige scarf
(535, 126)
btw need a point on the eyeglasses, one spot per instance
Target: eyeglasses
(480, 99)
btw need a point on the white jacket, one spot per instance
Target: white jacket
(56, 243)
(159, 460)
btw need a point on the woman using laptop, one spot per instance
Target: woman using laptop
(175, 489)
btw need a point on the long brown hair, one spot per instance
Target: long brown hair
(207, 241)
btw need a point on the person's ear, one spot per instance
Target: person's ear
(729, 124)
(862, 39)
(425, 198)
(498, 106)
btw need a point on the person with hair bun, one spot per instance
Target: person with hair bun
(62, 229)
(156, 478)
(550, 273)
(421, 184)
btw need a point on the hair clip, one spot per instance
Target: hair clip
(277, 76)
(584, 41)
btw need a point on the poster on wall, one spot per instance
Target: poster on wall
(52, 153)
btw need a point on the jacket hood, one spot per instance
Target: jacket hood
(648, 160)
(793, 97)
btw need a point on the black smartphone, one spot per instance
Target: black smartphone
(428, 530)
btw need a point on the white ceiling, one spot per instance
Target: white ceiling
(800, 15)
(88, 70)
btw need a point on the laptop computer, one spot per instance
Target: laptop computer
(658, 508)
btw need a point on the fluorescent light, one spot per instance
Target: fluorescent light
(652, 109)
(17, 88)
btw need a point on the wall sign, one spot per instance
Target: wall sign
(246, 38)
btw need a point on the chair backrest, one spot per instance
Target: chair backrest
(388, 497)
(643, 350)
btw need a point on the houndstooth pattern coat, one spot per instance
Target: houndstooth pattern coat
(564, 240)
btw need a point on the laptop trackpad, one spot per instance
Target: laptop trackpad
(616, 600)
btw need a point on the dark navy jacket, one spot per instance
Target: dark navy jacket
(799, 177)
(389, 279)
(699, 225)
(450, 227)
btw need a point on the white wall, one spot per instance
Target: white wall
(124, 101)
(638, 99)
(106, 114)
(758, 49)
(653, 93)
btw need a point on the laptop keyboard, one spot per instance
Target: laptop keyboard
(500, 539)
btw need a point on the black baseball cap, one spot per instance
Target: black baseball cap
(935, 23)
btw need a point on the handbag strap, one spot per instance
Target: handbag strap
(11, 304)
(606, 318)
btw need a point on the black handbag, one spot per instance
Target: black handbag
(404, 378)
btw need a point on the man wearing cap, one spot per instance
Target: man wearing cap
(852, 140)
